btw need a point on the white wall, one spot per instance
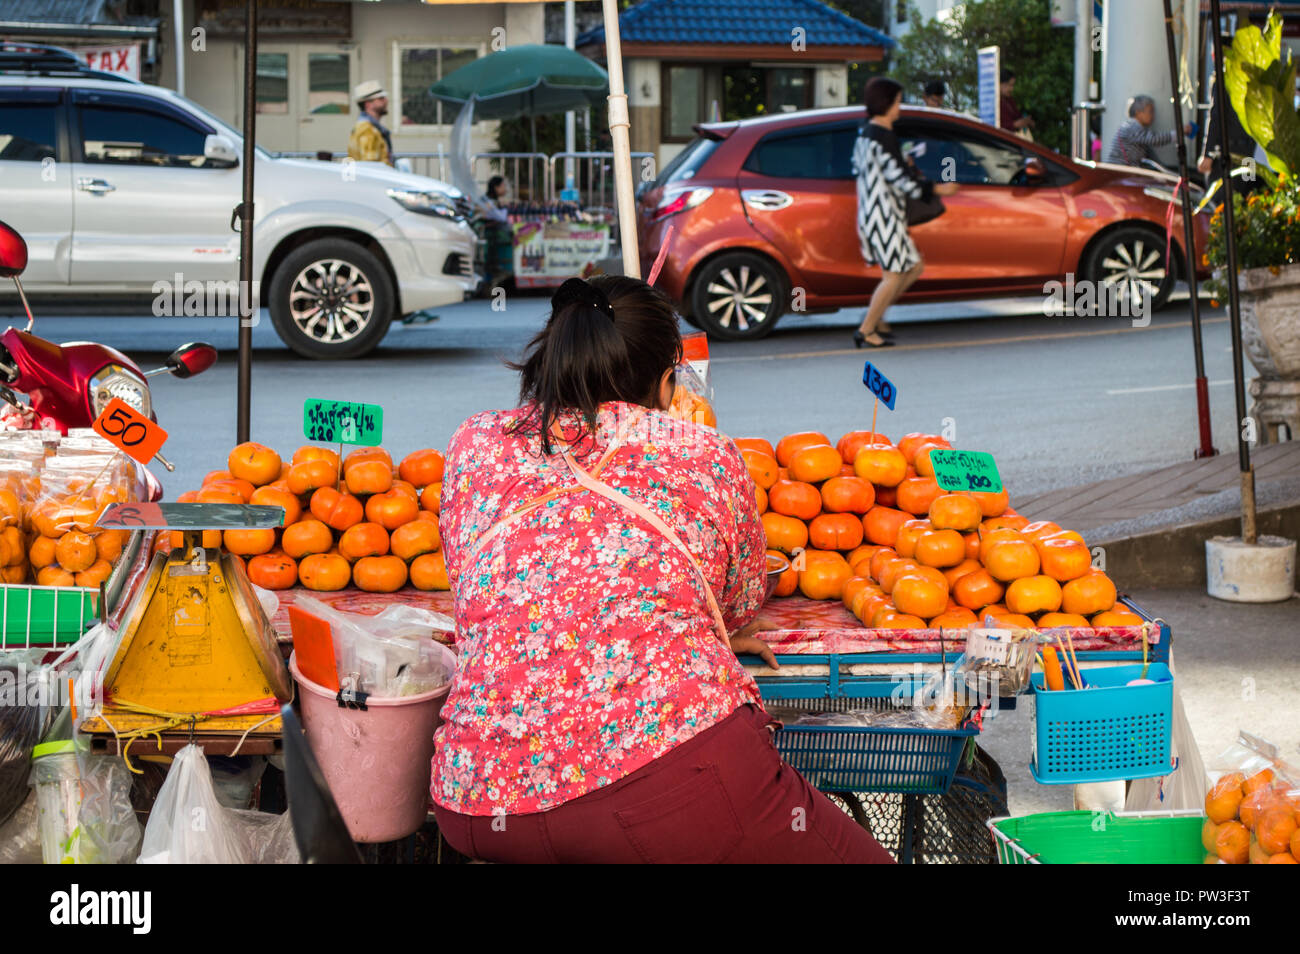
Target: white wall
(215, 77)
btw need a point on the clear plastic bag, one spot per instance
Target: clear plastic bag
(1185, 785)
(26, 713)
(20, 838)
(86, 801)
(693, 395)
(390, 654)
(188, 825)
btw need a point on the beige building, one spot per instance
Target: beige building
(687, 62)
(311, 53)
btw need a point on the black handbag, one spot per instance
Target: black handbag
(920, 211)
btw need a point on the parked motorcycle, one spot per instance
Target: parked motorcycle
(68, 385)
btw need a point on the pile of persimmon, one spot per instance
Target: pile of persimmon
(1252, 820)
(866, 523)
(361, 520)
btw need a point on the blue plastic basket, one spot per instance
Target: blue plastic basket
(1105, 731)
(874, 759)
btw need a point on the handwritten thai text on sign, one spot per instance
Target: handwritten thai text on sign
(343, 422)
(130, 431)
(965, 470)
(879, 385)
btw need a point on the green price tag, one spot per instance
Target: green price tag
(343, 422)
(965, 470)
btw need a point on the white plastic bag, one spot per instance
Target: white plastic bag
(1185, 786)
(188, 825)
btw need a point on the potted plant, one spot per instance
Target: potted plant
(1260, 84)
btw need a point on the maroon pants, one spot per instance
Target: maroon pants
(723, 796)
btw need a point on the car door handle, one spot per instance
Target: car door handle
(95, 186)
(769, 200)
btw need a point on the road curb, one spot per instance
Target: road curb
(1175, 555)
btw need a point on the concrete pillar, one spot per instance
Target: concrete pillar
(830, 85)
(1133, 61)
(643, 104)
(525, 23)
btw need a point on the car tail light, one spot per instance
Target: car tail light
(676, 202)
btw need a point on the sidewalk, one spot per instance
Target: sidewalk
(1153, 526)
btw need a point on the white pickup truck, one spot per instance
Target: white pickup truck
(124, 189)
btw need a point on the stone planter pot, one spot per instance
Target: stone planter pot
(1270, 335)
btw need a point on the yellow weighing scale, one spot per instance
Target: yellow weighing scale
(197, 654)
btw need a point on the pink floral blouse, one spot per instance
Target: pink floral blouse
(587, 647)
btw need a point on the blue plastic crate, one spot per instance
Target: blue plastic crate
(1106, 731)
(874, 759)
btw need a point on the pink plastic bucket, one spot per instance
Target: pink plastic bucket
(377, 762)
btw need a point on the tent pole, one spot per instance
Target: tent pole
(1189, 243)
(618, 129)
(1248, 529)
(249, 304)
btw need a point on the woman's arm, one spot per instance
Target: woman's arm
(900, 175)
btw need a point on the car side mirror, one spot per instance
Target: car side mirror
(1035, 170)
(220, 152)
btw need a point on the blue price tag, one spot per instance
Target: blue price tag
(879, 385)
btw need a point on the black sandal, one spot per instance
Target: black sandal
(860, 341)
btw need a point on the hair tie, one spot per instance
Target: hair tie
(576, 291)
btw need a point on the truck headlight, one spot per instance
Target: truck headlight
(115, 381)
(425, 203)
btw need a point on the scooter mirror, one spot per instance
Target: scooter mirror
(191, 359)
(13, 252)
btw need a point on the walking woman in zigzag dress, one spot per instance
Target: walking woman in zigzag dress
(885, 182)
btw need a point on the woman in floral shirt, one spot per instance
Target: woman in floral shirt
(608, 564)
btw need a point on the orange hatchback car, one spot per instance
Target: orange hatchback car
(763, 214)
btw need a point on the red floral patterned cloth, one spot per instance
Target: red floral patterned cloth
(587, 647)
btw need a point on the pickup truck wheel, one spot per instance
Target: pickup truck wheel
(331, 298)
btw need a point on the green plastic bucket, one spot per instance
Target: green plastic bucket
(1100, 838)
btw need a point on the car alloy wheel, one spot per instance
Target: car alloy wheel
(1129, 266)
(331, 301)
(738, 295)
(739, 298)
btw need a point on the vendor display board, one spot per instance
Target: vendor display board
(546, 253)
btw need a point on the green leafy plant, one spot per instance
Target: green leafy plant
(1031, 47)
(1267, 228)
(1261, 87)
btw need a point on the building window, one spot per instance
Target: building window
(328, 84)
(273, 83)
(900, 11)
(683, 101)
(789, 89)
(418, 67)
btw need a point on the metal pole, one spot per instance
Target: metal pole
(618, 130)
(1234, 303)
(1082, 50)
(178, 35)
(570, 118)
(248, 302)
(1189, 243)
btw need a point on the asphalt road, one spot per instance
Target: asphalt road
(1057, 401)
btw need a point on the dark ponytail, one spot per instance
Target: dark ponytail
(610, 339)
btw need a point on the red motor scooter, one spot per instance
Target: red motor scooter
(68, 385)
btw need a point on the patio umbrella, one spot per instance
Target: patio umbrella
(529, 80)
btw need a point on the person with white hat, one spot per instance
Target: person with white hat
(370, 140)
